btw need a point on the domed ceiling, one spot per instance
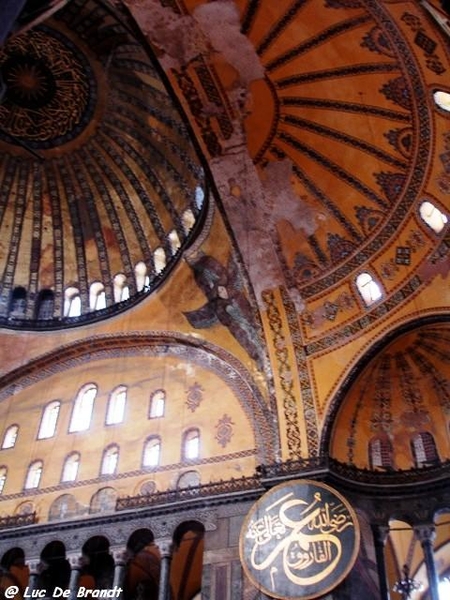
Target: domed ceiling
(101, 187)
(397, 413)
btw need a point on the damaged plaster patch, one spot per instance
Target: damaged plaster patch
(285, 203)
(251, 216)
(220, 22)
(177, 36)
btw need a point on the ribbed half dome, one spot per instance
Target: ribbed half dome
(101, 187)
(397, 413)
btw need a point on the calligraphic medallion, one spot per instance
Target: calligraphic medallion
(299, 540)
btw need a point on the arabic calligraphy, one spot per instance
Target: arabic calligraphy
(299, 538)
(47, 86)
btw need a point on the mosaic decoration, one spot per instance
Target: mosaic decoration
(227, 304)
(284, 369)
(224, 430)
(423, 41)
(194, 396)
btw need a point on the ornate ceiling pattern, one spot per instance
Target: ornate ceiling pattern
(402, 391)
(98, 173)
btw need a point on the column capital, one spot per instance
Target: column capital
(165, 547)
(75, 560)
(35, 566)
(425, 532)
(380, 533)
(120, 554)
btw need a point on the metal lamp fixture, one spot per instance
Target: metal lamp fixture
(406, 585)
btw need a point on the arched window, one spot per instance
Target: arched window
(380, 453)
(152, 452)
(432, 216)
(45, 305)
(18, 304)
(442, 99)
(368, 288)
(82, 409)
(70, 468)
(116, 405)
(110, 460)
(49, 419)
(188, 220)
(34, 475)
(10, 437)
(174, 241)
(191, 444)
(160, 260)
(199, 197)
(424, 449)
(72, 302)
(121, 290)
(3, 474)
(142, 279)
(97, 296)
(157, 404)
(103, 501)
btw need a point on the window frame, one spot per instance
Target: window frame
(111, 417)
(187, 441)
(16, 427)
(154, 412)
(106, 457)
(46, 421)
(35, 469)
(66, 465)
(146, 448)
(78, 410)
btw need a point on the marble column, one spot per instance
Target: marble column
(121, 557)
(380, 534)
(35, 569)
(165, 549)
(76, 562)
(426, 535)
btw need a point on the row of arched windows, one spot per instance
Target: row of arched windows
(151, 458)
(82, 413)
(369, 289)
(423, 448)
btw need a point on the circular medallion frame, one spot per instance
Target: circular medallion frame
(299, 540)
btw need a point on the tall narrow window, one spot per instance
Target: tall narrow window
(188, 220)
(432, 216)
(10, 437)
(18, 304)
(157, 404)
(424, 449)
(121, 290)
(174, 241)
(72, 302)
(116, 406)
(160, 260)
(152, 452)
(49, 419)
(45, 305)
(3, 473)
(142, 279)
(71, 465)
(368, 288)
(380, 453)
(97, 297)
(110, 460)
(191, 444)
(82, 409)
(33, 475)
